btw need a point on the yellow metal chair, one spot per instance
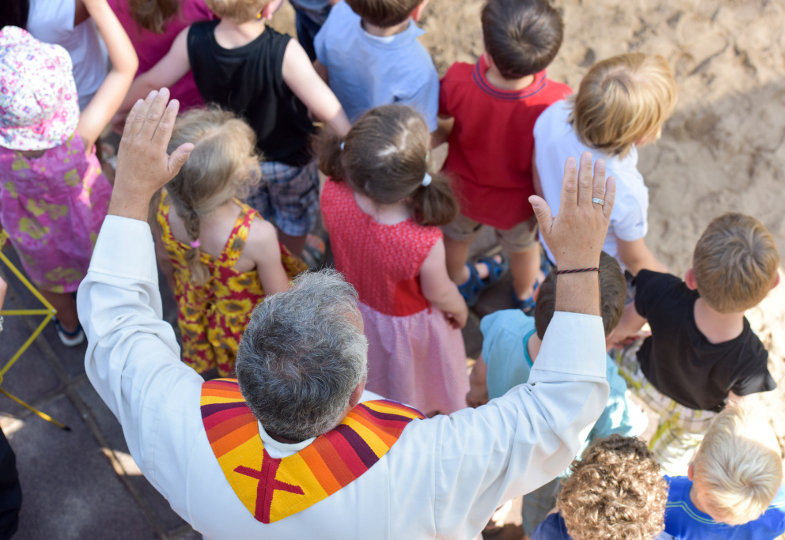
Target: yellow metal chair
(47, 311)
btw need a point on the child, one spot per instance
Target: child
(701, 351)
(511, 341)
(152, 26)
(615, 492)
(226, 258)
(67, 23)
(494, 105)
(267, 78)
(309, 17)
(53, 197)
(382, 208)
(733, 488)
(621, 104)
(368, 52)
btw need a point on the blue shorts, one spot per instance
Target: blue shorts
(288, 196)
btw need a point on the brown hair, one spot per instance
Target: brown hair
(737, 468)
(613, 290)
(735, 263)
(153, 14)
(384, 13)
(385, 157)
(623, 100)
(521, 36)
(222, 165)
(237, 11)
(615, 492)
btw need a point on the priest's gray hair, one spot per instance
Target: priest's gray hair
(302, 355)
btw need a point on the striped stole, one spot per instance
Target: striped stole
(272, 489)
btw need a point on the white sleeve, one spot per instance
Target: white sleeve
(473, 460)
(628, 219)
(132, 358)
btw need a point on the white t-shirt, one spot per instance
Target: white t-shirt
(555, 141)
(52, 21)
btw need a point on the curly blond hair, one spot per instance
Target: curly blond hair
(616, 492)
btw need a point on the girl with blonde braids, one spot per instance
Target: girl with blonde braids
(225, 258)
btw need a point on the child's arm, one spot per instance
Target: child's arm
(478, 389)
(164, 74)
(301, 77)
(262, 246)
(636, 256)
(440, 290)
(95, 117)
(629, 325)
(443, 130)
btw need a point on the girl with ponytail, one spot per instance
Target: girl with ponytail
(383, 209)
(225, 258)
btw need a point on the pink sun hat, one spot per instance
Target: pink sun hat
(39, 107)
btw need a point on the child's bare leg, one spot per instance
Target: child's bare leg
(457, 251)
(478, 389)
(525, 268)
(294, 244)
(65, 304)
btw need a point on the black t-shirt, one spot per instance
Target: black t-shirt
(249, 81)
(678, 359)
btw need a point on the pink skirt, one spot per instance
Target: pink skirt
(419, 360)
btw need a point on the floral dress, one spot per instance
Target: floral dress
(52, 207)
(212, 316)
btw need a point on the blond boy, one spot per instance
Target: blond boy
(267, 78)
(733, 488)
(368, 52)
(621, 104)
(702, 352)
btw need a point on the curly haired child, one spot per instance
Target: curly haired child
(615, 492)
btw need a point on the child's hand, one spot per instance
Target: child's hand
(143, 165)
(458, 318)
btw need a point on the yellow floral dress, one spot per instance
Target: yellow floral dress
(212, 316)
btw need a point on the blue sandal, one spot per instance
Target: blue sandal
(473, 287)
(526, 305)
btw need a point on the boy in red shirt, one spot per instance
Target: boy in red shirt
(494, 105)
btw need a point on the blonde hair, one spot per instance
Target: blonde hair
(223, 165)
(615, 492)
(735, 263)
(737, 467)
(623, 100)
(237, 11)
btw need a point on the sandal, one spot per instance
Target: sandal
(526, 305)
(472, 287)
(314, 251)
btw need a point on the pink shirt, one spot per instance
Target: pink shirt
(151, 47)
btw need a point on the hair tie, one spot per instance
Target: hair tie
(195, 244)
(426, 180)
(343, 143)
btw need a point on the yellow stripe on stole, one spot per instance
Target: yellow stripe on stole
(244, 486)
(371, 438)
(391, 409)
(298, 473)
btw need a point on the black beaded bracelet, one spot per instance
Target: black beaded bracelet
(577, 270)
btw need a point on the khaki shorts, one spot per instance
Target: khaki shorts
(519, 238)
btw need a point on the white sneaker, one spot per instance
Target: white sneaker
(70, 339)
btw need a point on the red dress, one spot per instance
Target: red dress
(414, 355)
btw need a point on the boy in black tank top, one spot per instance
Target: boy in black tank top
(267, 78)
